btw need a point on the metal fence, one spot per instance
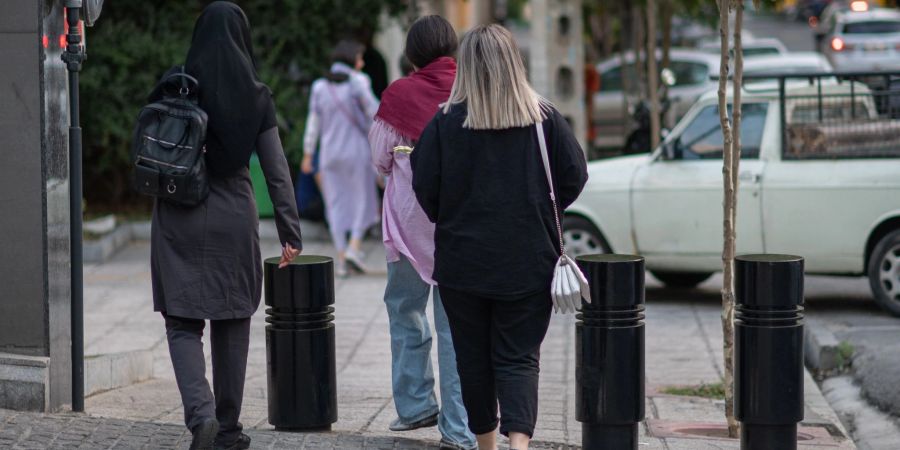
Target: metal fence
(839, 115)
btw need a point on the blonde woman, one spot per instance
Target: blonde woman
(478, 175)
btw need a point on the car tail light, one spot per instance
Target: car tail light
(837, 44)
(859, 6)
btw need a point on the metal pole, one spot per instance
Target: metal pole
(768, 344)
(73, 57)
(609, 354)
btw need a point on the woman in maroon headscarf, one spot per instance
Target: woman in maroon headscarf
(406, 108)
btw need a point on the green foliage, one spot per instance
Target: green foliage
(844, 354)
(136, 41)
(704, 12)
(714, 391)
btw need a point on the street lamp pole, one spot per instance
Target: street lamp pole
(73, 57)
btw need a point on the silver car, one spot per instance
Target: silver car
(863, 40)
(610, 111)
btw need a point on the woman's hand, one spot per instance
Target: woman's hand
(288, 253)
(307, 165)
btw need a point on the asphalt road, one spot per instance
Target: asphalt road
(795, 35)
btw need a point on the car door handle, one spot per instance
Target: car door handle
(750, 176)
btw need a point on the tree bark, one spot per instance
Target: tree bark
(652, 75)
(626, 36)
(729, 219)
(666, 12)
(640, 66)
(608, 34)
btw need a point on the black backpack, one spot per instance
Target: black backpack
(168, 147)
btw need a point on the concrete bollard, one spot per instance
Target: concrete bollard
(609, 365)
(768, 345)
(300, 344)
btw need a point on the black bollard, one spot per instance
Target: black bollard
(300, 342)
(609, 352)
(768, 345)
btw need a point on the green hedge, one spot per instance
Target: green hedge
(135, 41)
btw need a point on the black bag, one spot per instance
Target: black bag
(168, 147)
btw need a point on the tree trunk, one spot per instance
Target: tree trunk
(640, 66)
(624, 45)
(666, 13)
(608, 34)
(729, 220)
(652, 75)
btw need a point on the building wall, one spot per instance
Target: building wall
(557, 59)
(35, 345)
(22, 300)
(462, 14)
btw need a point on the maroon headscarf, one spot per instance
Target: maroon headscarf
(408, 104)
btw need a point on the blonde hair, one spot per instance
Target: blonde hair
(491, 80)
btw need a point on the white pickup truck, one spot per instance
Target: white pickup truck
(821, 181)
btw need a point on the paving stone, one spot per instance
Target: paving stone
(683, 348)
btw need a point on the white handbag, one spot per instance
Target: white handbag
(569, 285)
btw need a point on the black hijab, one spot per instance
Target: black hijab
(236, 101)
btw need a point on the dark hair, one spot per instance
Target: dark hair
(406, 67)
(428, 39)
(346, 51)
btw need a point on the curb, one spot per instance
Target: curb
(99, 250)
(115, 370)
(869, 427)
(821, 348)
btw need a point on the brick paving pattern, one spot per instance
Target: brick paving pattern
(76, 431)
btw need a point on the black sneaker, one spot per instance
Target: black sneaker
(242, 443)
(205, 435)
(398, 425)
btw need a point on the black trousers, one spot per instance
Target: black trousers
(230, 341)
(498, 345)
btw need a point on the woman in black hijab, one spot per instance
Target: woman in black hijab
(205, 260)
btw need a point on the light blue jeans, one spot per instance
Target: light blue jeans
(406, 298)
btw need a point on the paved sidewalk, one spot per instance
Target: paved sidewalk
(683, 348)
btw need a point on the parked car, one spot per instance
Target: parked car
(611, 118)
(752, 47)
(820, 182)
(863, 40)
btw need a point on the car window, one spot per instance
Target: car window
(702, 139)
(872, 27)
(689, 73)
(759, 51)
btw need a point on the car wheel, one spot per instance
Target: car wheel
(582, 237)
(884, 272)
(681, 279)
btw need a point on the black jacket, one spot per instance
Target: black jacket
(487, 193)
